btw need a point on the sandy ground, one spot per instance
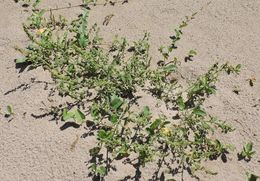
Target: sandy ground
(225, 30)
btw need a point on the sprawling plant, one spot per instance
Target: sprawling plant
(110, 80)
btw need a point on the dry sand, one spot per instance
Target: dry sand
(225, 30)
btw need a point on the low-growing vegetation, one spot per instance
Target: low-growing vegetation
(109, 82)
(247, 152)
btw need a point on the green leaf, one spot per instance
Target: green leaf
(21, 60)
(79, 116)
(36, 3)
(199, 112)
(249, 147)
(102, 171)
(195, 88)
(66, 114)
(104, 135)
(211, 90)
(113, 118)
(238, 67)
(123, 151)
(82, 37)
(146, 111)
(41, 13)
(10, 110)
(156, 124)
(170, 68)
(181, 103)
(82, 40)
(116, 102)
(192, 53)
(177, 33)
(95, 112)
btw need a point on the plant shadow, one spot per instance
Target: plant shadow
(23, 66)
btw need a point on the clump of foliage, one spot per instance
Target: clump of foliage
(247, 152)
(110, 80)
